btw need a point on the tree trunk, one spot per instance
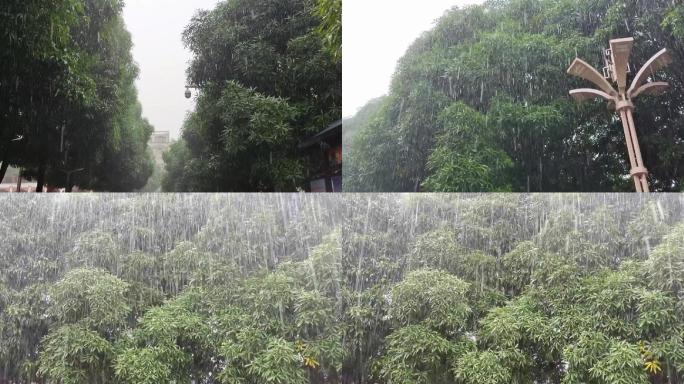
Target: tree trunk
(41, 177)
(5, 164)
(3, 169)
(21, 172)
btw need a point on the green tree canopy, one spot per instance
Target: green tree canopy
(269, 77)
(445, 289)
(480, 103)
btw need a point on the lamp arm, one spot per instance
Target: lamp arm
(582, 69)
(653, 88)
(590, 93)
(658, 61)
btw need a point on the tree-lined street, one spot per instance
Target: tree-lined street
(69, 110)
(266, 75)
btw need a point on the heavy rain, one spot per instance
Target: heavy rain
(169, 288)
(385, 289)
(480, 102)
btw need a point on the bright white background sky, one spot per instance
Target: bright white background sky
(375, 35)
(156, 27)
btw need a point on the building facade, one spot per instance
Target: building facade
(160, 142)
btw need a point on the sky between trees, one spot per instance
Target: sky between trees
(156, 27)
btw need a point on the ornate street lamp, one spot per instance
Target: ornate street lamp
(620, 99)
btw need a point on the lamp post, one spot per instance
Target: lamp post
(620, 99)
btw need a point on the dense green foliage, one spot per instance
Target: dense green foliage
(517, 288)
(330, 12)
(137, 289)
(480, 103)
(355, 289)
(268, 78)
(69, 113)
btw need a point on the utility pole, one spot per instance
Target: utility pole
(617, 67)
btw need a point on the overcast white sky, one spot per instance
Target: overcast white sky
(375, 35)
(156, 27)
